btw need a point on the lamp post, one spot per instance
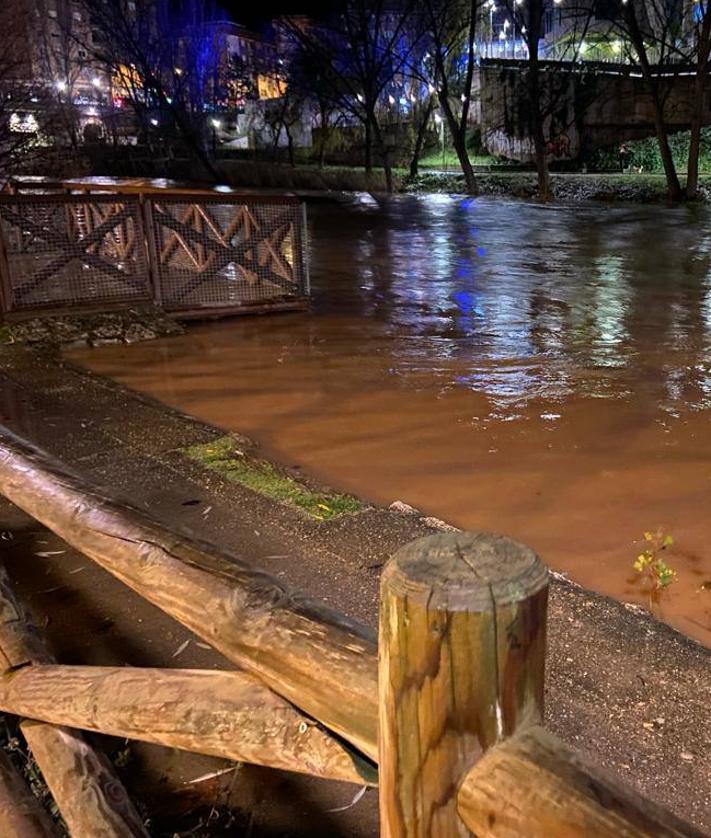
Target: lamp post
(513, 20)
(215, 125)
(439, 122)
(492, 8)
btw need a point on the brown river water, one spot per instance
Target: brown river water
(544, 372)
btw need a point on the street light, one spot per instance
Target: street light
(60, 85)
(215, 125)
(513, 18)
(439, 122)
(492, 8)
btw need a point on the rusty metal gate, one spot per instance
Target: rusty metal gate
(72, 251)
(215, 253)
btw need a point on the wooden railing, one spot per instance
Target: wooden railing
(454, 725)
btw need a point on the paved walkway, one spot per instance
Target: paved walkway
(621, 686)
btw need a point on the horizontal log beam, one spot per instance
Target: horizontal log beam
(318, 659)
(534, 785)
(224, 714)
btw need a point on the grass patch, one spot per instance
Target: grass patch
(225, 457)
(434, 159)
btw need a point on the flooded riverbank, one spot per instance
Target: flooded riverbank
(539, 371)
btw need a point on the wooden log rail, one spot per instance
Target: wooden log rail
(89, 795)
(314, 657)
(534, 785)
(224, 714)
(455, 698)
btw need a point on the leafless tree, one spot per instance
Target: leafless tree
(23, 101)
(360, 49)
(445, 62)
(648, 30)
(164, 57)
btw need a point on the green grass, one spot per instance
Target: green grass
(225, 457)
(435, 159)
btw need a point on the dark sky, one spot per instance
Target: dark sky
(263, 11)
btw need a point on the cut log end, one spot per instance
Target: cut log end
(465, 571)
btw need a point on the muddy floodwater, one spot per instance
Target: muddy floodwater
(544, 372)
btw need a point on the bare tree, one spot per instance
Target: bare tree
(552, 93)
(360, 49)
(699, 45)
(23, 101)
(649, 31)
(447, 66)
(165, 56)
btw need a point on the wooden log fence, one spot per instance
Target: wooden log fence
(451, 712)
(89, 795)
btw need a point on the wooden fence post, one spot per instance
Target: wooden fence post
(461, 661)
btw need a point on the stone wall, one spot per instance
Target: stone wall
(587, 106)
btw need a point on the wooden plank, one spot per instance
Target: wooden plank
(534, 785)
(224, 714)
(462, 656)
(313, 656)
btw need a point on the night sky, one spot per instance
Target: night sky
(265, 10)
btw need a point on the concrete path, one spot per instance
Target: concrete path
(622, 687)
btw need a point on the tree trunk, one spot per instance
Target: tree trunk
(368, 145)
(536, 118)
(692, 167)
(545, 192)
(290, 145)
(385, 154)
(660, 127)
(419, 140)
(704, 49)
(459, 141)
(673, 186)
(324, 137)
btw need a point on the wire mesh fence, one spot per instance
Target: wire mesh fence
(191, 254)
(72, 251)
(220, 253)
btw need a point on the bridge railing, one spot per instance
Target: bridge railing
(194, 254)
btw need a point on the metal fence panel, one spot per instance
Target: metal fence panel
(72, 250)
(226, 253)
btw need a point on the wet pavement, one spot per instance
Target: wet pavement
(539, 371)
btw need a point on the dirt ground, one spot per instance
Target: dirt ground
(621, 687)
